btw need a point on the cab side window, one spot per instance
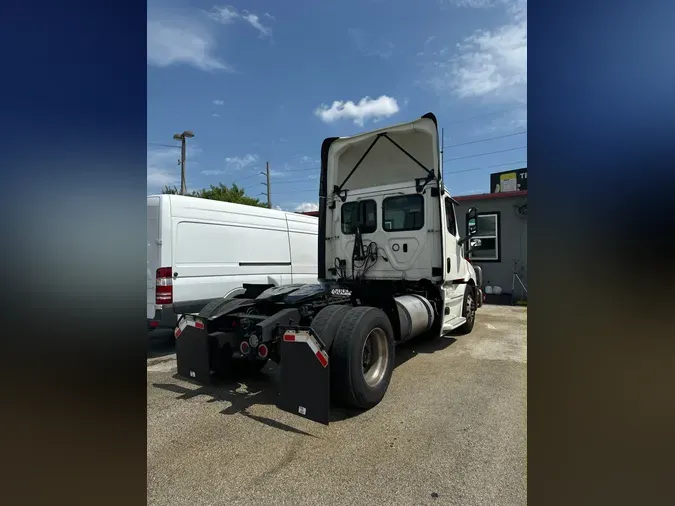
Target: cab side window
(403, 213)
(361, 213)
(450, 217)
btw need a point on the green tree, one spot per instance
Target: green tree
(221, 192)
(170, 190)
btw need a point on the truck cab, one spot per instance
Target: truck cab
(386, 218)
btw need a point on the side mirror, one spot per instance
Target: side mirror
(472, 221)
(474, 244)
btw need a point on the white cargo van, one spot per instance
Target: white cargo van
(200, 249)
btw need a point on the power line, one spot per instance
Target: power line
(486, 167)
(295, 181)
(299, 170)
(313, 190)
(247, 177)
(484, 140)
(159, 144)
(494, 113)
(484, 154)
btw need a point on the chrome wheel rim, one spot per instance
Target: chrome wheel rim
(374, 357)
(469, 309)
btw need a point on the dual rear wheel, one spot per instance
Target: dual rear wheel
(361, 344)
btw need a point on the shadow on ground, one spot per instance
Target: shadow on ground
(263, 388)
(161, 343)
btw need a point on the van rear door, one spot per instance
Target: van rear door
(303, 232)
(154, 244)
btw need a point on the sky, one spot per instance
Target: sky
(266, 81)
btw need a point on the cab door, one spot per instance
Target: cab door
(454, 269)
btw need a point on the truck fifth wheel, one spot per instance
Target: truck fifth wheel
(393, 266)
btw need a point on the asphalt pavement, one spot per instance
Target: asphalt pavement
(452, 429)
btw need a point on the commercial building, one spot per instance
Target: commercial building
(502, 231)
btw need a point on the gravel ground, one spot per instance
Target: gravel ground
(452, 429)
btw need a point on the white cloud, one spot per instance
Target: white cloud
(510, 121)
(241, 162)
(219, 102)
(254, 21)
(215, 115)
(228, 15)
(308, 159)
(174, 40)
(489, 64)
(188, 38)
(163, 166)
(159, 178)
(278, 208)
(366, 109)
(306, 207)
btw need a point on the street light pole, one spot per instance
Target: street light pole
(181, 137)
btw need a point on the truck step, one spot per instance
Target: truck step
(453, 324)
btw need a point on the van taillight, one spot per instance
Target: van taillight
(164, 286)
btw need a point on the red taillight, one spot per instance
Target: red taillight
(263, 351)
(154, 323)
(164, 286)
(289, 337)
(244, 348)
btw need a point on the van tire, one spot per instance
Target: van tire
(349, 386)
(327, 321)
(468, 311)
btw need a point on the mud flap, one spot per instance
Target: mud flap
(193, 358)
(305, 375)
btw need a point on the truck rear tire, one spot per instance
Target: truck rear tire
(327, 322)
(362, 358)
(468, 311)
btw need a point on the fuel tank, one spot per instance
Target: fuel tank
(416, 315)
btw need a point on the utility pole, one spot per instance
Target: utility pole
(269, 188)
(187, 134)
(442, 167)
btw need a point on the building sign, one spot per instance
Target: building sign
(509, 181)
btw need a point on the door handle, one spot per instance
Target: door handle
(448, 265)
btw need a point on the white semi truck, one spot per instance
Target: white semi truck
(393, 266)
